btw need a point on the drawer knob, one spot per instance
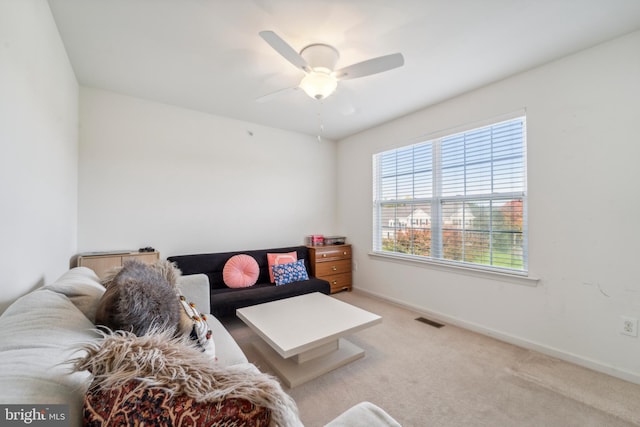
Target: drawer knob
(334, 282)
(344, 253)
(324, 255)
(334, 268)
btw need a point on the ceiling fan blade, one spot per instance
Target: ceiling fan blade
(283, 48)
(270, 96)
(370, 66)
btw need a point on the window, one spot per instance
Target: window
(457, 199)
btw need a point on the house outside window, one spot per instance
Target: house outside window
(458, 199)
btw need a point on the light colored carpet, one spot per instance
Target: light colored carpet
(425, 376)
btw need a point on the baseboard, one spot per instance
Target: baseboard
(511, 339)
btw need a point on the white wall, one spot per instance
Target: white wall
(188, 182)
(583, 176)
(38, 150)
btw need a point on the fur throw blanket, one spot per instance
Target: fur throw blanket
(159, 359)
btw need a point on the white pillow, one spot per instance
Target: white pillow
(83, 289)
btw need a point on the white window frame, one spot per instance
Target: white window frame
(437, 198)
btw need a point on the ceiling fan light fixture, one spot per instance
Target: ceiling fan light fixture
(318, 61)
(319, 85)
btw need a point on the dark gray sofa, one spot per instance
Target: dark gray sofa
(225, 300)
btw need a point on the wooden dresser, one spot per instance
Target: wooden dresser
(101, 263)
(333, 264)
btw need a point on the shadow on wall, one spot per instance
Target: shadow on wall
(6, 303)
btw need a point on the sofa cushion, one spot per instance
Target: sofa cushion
(228, 352)
(195, 287)
(240, 271)
(82, 287)
(289, 273)
(279, 258)
(224, 302)
(39, 333)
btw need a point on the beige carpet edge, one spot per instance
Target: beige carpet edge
(580, 384)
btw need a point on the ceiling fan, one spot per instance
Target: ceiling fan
(318, 61)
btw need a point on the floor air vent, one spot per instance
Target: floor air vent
(429, 322)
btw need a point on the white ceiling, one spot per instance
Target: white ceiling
(206, 55)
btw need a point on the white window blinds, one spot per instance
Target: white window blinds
(460, 198)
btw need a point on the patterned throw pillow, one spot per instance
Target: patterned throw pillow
(199, 328)
(132, 404)
(280, 258)
(159, 379)
(290, 272)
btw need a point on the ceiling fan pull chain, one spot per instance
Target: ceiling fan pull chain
(320, 124)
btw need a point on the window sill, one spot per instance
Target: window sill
(519, 279)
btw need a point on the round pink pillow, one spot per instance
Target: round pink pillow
(240, 271)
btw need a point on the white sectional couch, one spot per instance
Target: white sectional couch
(43, 330)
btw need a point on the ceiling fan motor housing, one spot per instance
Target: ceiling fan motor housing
(320, 57)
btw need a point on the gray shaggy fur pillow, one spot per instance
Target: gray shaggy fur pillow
(142, 297)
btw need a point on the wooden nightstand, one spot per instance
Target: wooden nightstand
(101, 263)
(333, 264)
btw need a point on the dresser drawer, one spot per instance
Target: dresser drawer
(334, 267)
(330, 253)
(339, 282)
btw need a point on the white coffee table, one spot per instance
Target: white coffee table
(302, 336)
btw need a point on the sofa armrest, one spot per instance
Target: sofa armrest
(364, 414)
(195, 288)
